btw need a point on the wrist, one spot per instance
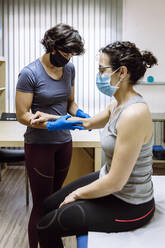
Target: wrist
(53, 117)
(78, 112)
(50, 125)
(77, 194)
(44, 124)
(86, 123)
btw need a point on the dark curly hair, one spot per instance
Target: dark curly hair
(125, 53)
(65, 38)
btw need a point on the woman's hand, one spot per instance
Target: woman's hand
(63, 123)
(70, 198)
(39, 117)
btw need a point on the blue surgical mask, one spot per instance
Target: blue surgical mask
(103, 82)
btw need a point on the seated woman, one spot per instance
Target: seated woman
(119, 197)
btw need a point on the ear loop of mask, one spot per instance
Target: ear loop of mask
(121, 79)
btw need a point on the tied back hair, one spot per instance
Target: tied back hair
(125, 53)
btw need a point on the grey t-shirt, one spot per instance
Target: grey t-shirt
(50, 96)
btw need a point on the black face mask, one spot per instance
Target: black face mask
(58, 60)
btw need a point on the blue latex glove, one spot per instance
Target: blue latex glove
(80, 113)
(62, 123)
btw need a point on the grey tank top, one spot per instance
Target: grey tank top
(139, 187)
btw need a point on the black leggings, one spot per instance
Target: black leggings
(105, 214)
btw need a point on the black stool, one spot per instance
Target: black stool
(8, 155)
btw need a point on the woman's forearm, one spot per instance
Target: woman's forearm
(72, 108)
(96, 122)
(40, 117)
(99, 188)
(26, 118)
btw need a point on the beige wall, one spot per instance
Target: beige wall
(144, 24)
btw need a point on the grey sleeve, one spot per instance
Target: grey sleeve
(73, 76)
(26, 81)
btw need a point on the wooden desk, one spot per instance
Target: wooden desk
(11, 135)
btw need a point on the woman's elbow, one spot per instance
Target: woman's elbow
(19, 118)
(115, 185)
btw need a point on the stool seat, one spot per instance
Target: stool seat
(82, 241)
(11, 155)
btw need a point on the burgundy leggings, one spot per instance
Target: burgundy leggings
(47, 167)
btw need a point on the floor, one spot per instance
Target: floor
(14, 214)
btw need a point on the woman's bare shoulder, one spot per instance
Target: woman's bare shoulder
(137, 115)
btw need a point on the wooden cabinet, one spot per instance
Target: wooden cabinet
(2, 84)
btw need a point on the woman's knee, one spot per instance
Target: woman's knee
(72, 217)
(46, 221)
(69, 218)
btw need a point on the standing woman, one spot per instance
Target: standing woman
(47, 85)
